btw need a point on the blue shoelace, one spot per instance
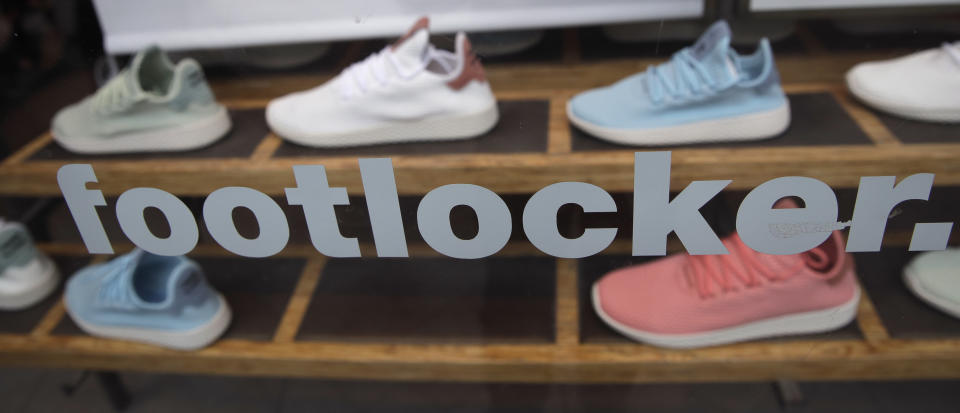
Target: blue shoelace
(114, 292)
(690, 82)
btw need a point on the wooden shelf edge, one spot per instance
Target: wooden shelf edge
(800, 360)
(839, 166)
(619, 246)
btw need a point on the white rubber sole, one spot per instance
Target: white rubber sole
(791, 324)
(755, 126)
(192, 339)
(929, 296)
(185, 137)
(920, 114)
(51, 279)
(436, 129)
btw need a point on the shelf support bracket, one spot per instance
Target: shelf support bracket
(117, 393)
(788, 393)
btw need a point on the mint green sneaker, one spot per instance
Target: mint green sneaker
(933, 277)
(150, 106)
(27, 276)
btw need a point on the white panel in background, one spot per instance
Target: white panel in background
(784, 5)
(129, 25)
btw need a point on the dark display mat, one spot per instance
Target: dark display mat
(258, 291)
(433, 300)
(905, 315)
(249, 129)
(914, 131)
(816, 119)
(594, 330)
(24, 321)
(522, 128)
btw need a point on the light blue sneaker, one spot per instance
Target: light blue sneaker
(149, 298)
(705, 93)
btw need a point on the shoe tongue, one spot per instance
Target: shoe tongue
(781, 262)
(128, 264)
(410, 50)
(817, 259)
(713, 51)
(132, 259)
(132, 74)
(820, 260)
(769, 261)
(184, 280)
(156, 280)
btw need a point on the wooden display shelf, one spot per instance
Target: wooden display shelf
(578, 349)
(832, 138)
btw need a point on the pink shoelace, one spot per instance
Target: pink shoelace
(742, 267)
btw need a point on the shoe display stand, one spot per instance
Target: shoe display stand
(519, 316)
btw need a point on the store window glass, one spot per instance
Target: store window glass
(613, 205)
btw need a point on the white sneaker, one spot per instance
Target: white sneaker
(934, 278)
(26, 275)
(923, 86)
(409, 91)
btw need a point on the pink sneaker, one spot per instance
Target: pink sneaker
(685, 301)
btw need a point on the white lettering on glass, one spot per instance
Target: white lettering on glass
(655, 215)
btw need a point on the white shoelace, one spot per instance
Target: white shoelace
(376, 66)
(690, 81)
(355, 83)
(115, 96)
(953, 50)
